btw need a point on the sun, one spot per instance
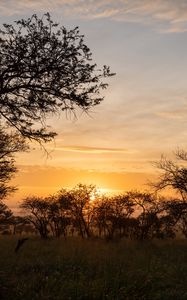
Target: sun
(103, 191)
(99, 192)
(92, 197)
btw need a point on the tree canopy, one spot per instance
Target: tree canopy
(10, 144)
(134, 215)
(174, 174)
(6, 214)
(45, 69)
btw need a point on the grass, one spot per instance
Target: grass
(76, 269)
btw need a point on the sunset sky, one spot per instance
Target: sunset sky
(144, 113)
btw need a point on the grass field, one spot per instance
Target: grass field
(76, 269)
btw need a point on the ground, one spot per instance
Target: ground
(93, 269)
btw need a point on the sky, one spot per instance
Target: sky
(144, 113)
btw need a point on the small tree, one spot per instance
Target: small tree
(80, 207)
(45, 69)
(173, 174)
(111, 215)
(6, 215)
(123, 208)
(59, 214)
(175, 217)
(147, 209)
(102, 210)
(38, 214)
(20, 224)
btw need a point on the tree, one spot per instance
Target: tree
(175, 217)
(38, 214)
(80, 206)
(59, 214)
(111, 215)
(102, 210)
(45, 69)
(174, 174)
(10, 144)
(147, 209)
(20, 224)
(6, 215)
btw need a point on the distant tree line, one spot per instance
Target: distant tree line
(82, 211)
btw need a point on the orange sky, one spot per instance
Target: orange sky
(42, 181)
(51, 179)
(144, 113)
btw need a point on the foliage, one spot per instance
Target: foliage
(174, 174)
(6, 215)
(10, 144)
(21, 225)
(176, 216)
(38, 209)
(45, 69)
(56, 213)
(112, 215)
(83, 211)
(80, 207)
(59, 216)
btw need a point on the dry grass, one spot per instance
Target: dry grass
(76, 269)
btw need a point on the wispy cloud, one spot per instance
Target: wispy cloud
(173, 114)
(167, 15)
(86, 149)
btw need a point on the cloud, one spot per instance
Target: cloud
(173, 114)
(167, 15)
(86, 149)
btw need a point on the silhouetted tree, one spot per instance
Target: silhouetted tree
(112, 215)
(6, 215)
(123, 207)
(45, 69)
(38, 214)
(175, 216)
(59, 214)
(10, 144)
(147, 209)
(133, 215)
(102, 210)
(80, 205)
(21, 224)
(174, 174)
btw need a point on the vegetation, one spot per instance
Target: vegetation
(66, 246)
(92, 269)
(82, 211)
(45, 69)
(10, 144)
(174, 174)
(6, 215)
